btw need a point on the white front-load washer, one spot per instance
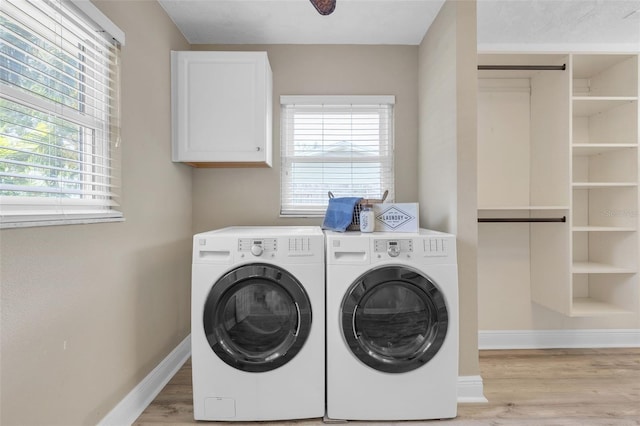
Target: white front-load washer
(257, 323)
(392, 326)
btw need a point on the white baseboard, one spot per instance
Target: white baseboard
(130, 408)
(470, 389)
(561, 339)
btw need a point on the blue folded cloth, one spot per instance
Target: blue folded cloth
(339, 213)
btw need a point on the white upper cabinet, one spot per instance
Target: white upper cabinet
(221, 108)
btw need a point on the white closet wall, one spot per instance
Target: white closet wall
(503, 188)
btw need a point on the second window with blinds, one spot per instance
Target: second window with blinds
(59, 114)
(337, 144)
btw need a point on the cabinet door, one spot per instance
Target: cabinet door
(221, 107)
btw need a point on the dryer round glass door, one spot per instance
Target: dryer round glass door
(394, 319)
(257, 317)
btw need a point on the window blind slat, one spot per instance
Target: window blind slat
(37, 146)
(60, 87)
(35, 142)
(55, 89)
(55, 190)
(42, 180)
(61, 84)
(69, 54)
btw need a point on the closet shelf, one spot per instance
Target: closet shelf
(595, 185)
(599, 268)
(588, 307)
(586, 149)
(590, 105)
(603, 229)
(521, 208)
(562, 219)
(604, 98)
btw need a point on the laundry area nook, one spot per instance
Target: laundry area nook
(310, 212)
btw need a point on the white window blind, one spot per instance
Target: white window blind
(59, 115)
(342, 144)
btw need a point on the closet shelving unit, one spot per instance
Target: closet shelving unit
(581, 151)
(604, 164)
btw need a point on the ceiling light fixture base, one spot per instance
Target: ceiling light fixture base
(324, 7)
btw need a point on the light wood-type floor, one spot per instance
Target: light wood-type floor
(526, 387)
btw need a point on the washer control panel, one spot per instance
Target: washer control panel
(258, 247)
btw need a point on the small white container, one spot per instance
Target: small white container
(367, 221)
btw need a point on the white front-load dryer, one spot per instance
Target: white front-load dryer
(257, 324)
(392, 326)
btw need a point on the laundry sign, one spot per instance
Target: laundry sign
(396, 217)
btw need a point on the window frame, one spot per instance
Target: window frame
(18, 211)
(383, 105)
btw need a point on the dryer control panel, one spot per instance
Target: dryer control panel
(405, 248)
(258, 246)
(393, 248)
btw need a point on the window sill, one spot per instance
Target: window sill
(301, 215)
(55, 222)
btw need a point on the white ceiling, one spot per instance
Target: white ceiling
(559, 24)
(502, 24)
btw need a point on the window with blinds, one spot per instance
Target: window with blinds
(59, 115)
(338, 144)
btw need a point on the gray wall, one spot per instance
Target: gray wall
(89, 310)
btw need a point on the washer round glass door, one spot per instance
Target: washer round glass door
(394, 319)
(257, 317)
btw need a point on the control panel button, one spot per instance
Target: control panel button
(256, 249)
(435, 247)
(393, 248)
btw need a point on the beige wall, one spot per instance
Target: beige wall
(89, 310)
(447, 152)
(223, 197)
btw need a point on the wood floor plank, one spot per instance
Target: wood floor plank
(564, 387)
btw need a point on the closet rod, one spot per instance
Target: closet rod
(523, 67)
(521, 219)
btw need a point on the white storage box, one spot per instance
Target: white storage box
(396, 217)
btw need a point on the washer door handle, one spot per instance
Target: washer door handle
(299, 318)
